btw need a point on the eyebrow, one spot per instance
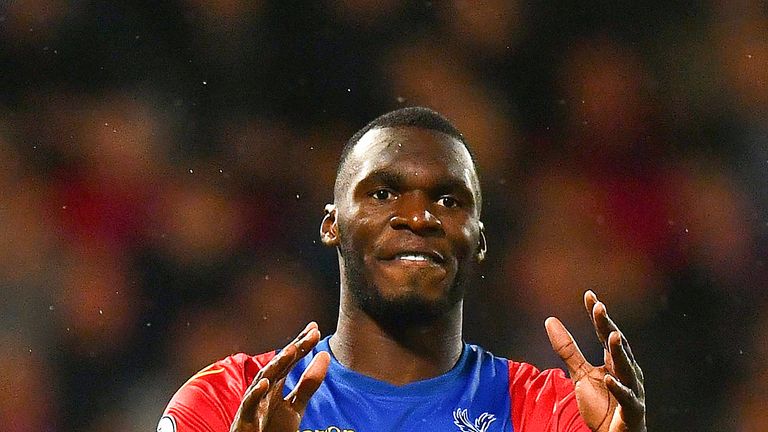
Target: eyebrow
(391, 178)
(397, 179)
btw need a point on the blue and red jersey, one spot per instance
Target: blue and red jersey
(481, 393)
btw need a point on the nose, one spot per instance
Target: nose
(413, 214)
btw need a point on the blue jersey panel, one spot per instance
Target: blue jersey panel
(471, 397)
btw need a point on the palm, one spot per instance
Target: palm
(596, 404)
(277, 415)
(611, 397)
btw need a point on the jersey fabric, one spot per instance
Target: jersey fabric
(481, 393)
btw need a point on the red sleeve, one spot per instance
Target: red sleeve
(208, 401)
(543, 401)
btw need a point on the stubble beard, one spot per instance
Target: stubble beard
(402, 311)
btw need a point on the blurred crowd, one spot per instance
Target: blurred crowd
(164, 165)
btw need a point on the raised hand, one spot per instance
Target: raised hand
(611, 397)
(264, 409)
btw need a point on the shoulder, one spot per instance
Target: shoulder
(524, 377)
(530, 379)
(542, 399)
(228, 377)
(208, 400)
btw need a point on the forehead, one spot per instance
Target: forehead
(412, 150)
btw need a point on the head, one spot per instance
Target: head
(406, 218)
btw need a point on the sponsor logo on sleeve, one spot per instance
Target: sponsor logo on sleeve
(166, 424)
(328, 429)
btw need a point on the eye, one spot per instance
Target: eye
(382, 194)
(448, 201)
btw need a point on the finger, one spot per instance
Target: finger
(590, 301)
(286, 359)
(622, 365)
(279, 365)
(640, 380)
(565, 346)
(627, 364)
(309, 382)
(607, 359)
(632, 407)
(308, 342)
(275, 392)
(250, 402)
(266, 406)
(307, 329)
(627, 349)
(604, 325)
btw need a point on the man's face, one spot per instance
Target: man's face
(408, 222)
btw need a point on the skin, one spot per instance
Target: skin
(408, 189)
(412, 189)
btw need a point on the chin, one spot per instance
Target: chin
(409, 309)
(420, 292)
(409, 304)
(399, 299)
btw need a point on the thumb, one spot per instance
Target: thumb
(565, 346)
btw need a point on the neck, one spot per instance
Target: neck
(396, 355)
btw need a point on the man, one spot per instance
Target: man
(406, 225)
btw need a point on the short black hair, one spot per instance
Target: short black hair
(419, 117)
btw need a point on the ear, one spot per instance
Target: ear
(482, 246)
(329, 228)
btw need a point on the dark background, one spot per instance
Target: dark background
(164, 165)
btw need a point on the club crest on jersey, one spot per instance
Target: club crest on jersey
(481, 424)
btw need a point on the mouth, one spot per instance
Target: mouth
(424, 258)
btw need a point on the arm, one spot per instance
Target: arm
(219, 397)
(543, 401)
(611, 397)
(207, 402)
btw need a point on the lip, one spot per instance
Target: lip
(411, 257)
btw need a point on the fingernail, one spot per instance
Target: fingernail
(602, 305)
(304, 338)
(305, 331)
(621, 342)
